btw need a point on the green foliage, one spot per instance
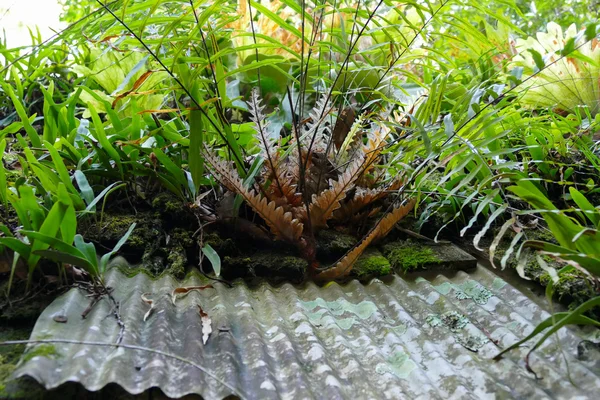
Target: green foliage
(491, 126)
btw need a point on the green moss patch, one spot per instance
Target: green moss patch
(409, 256)
(41, 350)
(371, 263)
(334, 244)
(9, 357)
(265, 264)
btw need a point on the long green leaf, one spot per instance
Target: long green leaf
(120, 243)
(20, 109)
(213, 257)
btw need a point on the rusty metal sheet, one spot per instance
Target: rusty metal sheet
(402, 338)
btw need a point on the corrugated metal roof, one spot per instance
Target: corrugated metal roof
(402, 338)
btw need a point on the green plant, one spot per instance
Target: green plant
(81, 254)
(59, 222)
(567, 82)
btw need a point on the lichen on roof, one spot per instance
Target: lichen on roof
(359, 341)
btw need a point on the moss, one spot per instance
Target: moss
(167, 202)
(572, 289)
(267, 264)
(177, 260)
(575, 288)
(42, 350)
(10, 355)
(182, 237)
(371, 263)
(331, 243)
(409, 256)
(111, 227)
(12, 175)
(172, 208)
(221, 245)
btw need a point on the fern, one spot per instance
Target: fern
(324, 204)
(281, 223)
(333, 190)
(364, 197)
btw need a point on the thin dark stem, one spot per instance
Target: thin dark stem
(346, 60)
(406, 48)
(254, 38)
(181, 85)
(212, 68)
(302, 171)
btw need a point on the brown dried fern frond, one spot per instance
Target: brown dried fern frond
(222, 171)
(382, 228)
(375, 144)
(268, 151)
(281, 223)
(286, 189)
(364, 197)
(385, 224)
(324, 204)
(317, 128)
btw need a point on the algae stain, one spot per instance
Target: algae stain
(346, 323)
(444, 288)
(318, 310)
(400, 329)
(498, 283)
(398, 364)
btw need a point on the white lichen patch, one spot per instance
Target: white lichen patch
(267, 385)
(332, 381)
(469, 289)
(398, 364)
(340, 312)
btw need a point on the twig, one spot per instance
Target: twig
(97, 290)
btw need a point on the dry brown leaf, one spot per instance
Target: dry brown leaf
(343, 125)
(135, 87)
(150, 302)
(362, 198)
(206, 324)
(185, 290)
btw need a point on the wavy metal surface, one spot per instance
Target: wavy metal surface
(416, 339)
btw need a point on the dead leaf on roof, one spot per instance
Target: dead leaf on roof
(185, 290)
(206, 324)
(150, 302)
